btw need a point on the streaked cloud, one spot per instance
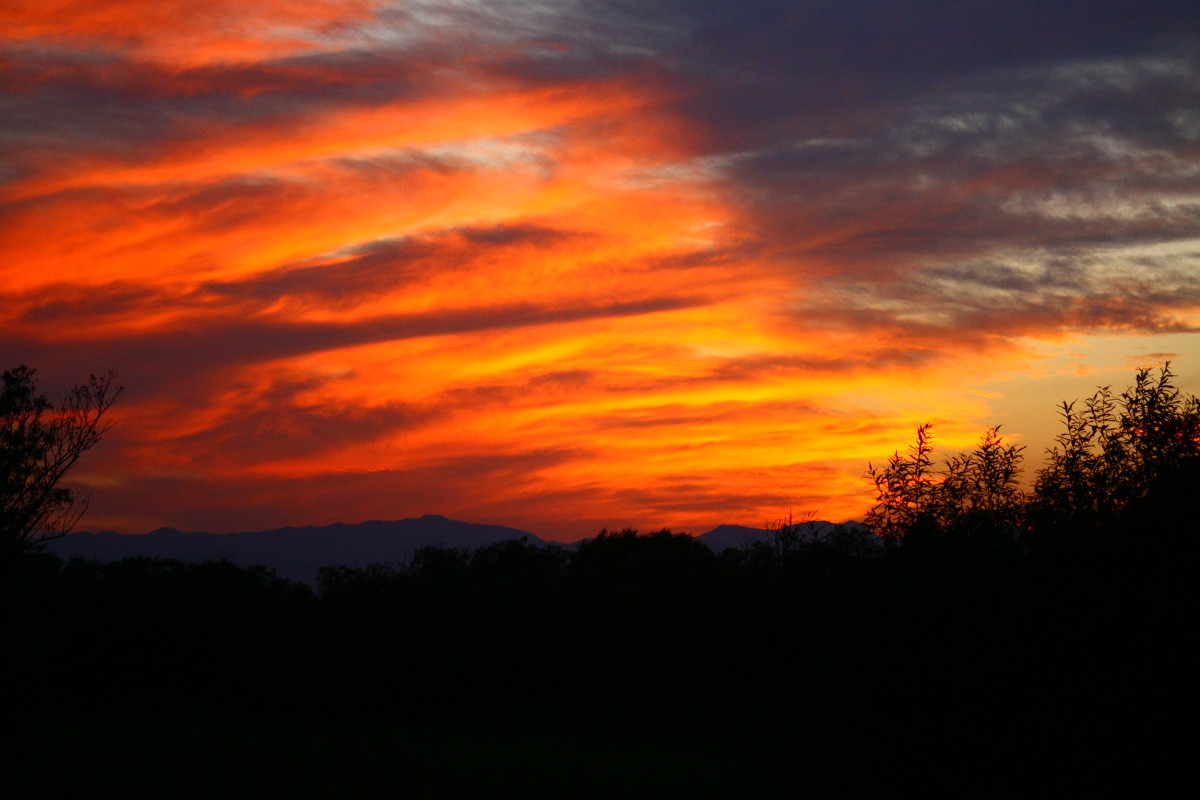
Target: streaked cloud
(565, 265)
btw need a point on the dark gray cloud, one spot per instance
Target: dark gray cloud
(134, 110)
(890, 149)
(1070, 290)
(829, 68)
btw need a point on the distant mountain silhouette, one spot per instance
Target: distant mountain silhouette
(724, 537)
(294, 553)
(297, 553)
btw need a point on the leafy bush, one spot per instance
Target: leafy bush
(1118, 455)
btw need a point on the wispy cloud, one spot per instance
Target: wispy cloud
(562, 265)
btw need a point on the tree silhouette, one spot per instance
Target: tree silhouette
(39, 443)
(1116, 454)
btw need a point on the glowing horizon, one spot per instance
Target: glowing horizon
(560, 267)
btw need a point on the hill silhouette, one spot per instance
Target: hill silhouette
(297, 553)
(294, 553)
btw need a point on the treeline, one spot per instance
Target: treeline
(988, 636)
(869, 662)
(654, 631)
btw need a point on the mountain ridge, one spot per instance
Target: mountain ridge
(293, 552)
(297, 552)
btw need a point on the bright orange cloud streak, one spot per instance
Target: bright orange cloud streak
(181, 32)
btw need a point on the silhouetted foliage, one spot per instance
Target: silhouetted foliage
(39, 443)
(626, 559)
(904, 489)
(975, 494)
(944, 656)
(786, 538)
(375, 588)
(516, 572)
(1118, 464)
(1115, 454)
(979, 492)
(806, 551)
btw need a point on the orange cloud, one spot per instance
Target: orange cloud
(355, 261)
(181, 32)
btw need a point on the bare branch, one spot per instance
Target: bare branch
(39, 444)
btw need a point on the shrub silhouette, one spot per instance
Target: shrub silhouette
(905, 489)
(974, 494)
(1120, 460)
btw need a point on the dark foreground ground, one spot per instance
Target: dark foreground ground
(255, 758)
(642, 666)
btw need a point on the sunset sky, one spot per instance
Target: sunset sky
(565, 265)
